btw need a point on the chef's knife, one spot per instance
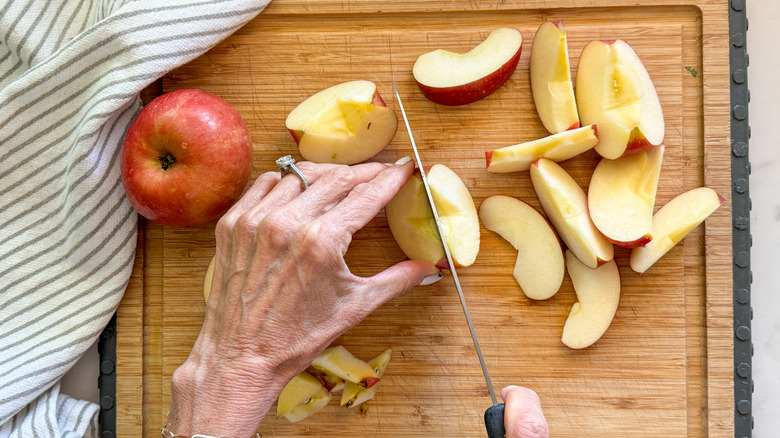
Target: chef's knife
(494, 415)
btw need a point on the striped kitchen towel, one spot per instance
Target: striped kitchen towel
(70, 75)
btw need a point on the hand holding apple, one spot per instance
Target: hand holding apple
(186, 158)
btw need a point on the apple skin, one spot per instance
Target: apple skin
(211, 152)
(473, 91)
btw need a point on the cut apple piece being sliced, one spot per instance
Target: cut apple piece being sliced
(355, 395)
(410, 219)
(566, 205)
(338, 361)
(672, 222)
(208, 278)
(558, 147)
(621, 197)
(304, 394)
(449, 78)
(551, 84)
(345, 124)
(598, 294)
(539, 268)
(615, 92)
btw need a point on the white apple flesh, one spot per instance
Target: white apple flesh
(566, 205)
(558, 147)
(615, 92)
(598, 294)
(621, 197)
(410, 219)
(672, 222)
(540, 267)
(355, 395)
(344, 124)
(303, 391)
(449, 78)
(551, 84)
(338, 361)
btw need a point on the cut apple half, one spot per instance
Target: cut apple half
(551, 85)
(598, 294)
(558, 147)
(208, 279)
(621, 197)
(355, 395)
(338, 361)
(411, 221)
(539, 267)
(566, 205)
(615, 92)
(345, 124)
(672, 222)
(449, 78)
(302, 396)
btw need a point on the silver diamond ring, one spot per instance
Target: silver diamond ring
(286, 164)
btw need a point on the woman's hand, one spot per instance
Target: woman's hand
(281, 291)
(523, 417)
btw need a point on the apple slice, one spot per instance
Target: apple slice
(615, 92)
(355, 395)
(207, 279)
(330, 382)
(410, 219)
(621, 197)
(338, 361)
(449, 78)
(539, 267)
(301, 397)
(344, 124)
(557, 147)
(672, 222)
(551, 84)
(566, 205)
(598, 293)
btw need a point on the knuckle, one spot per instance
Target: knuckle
(534, 428)
(313, 244)
(367, 191)
(274, 230)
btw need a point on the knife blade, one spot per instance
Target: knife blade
(494, 415)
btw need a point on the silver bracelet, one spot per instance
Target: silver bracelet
(165, 433)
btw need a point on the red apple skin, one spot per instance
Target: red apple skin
(473, 91)
(642, 241)
(212, 149)
(637, 143)
(375, 100)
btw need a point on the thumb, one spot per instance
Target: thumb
(523, 417)
(399, 278)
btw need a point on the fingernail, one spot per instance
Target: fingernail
(403, 161)
(431, 279)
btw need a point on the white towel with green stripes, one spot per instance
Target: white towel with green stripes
(70, 75)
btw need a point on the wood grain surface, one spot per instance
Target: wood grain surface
(664, 367)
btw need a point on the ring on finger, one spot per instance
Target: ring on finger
(286, 164)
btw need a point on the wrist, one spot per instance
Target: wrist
(221, 397)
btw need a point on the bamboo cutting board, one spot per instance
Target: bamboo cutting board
(664, 367)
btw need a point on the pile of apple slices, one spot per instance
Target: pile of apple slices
(616, 102)
(336, 369)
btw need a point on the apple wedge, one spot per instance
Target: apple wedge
(557, 147)
(672, 222)
(598, 293)
(566, 205)
(551, 84)
(355, 395)
(449, 78)
(615, 92)
(345, 124)
(207, 279)
(301, 397)
(410, 219)
(338, 361)
(539, 268)
(621, 197)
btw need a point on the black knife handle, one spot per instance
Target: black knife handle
(494, 421)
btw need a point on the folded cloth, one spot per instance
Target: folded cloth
(70, 75)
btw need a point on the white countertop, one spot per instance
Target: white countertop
(763, 37)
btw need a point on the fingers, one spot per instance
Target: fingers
(523, 417)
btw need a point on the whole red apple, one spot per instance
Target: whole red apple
(186, 158)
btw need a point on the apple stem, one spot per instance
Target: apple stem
(167, 161)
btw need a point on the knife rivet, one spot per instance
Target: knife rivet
(743, 407)
(107, 367)
(740, 185)
(740, 112)
(742, 296)
(743, 333)
(738, 5)
(738, 39)
(107, 402)
(738, 76)
(743, 370)
(742, 259)
(741, 222)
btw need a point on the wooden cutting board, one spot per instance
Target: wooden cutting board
(664, 367)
